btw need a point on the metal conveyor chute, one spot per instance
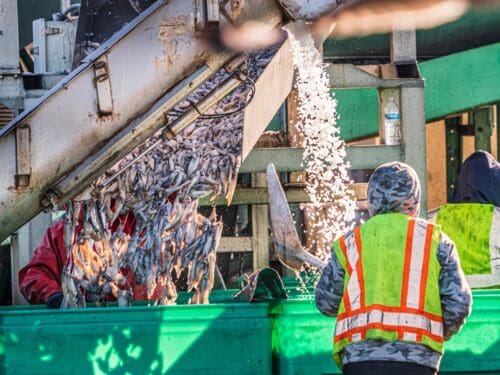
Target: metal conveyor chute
(117, 98)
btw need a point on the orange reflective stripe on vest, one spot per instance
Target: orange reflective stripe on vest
(351, 247)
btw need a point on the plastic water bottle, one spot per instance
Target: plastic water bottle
(392, 128)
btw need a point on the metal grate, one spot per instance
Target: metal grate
(6, 115)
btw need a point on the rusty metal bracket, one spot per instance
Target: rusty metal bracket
(103, 87)
(49, 199)
(223, 11)
(23, 156)
(207, 15)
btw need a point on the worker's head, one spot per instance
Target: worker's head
(478, 180)
(394, 187)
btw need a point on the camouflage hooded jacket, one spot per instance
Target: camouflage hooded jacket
(394, 187)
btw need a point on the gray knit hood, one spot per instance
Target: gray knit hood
(394, 187)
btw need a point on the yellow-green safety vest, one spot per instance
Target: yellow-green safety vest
(475, 230)
(391, 289)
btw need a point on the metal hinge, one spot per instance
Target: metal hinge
(52, 30)
(23, 156)
(103, 87)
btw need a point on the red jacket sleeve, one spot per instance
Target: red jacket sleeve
(41, 277)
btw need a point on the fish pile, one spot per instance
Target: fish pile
(332, 203)
(159, 184)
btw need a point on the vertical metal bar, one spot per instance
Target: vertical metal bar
(483, 122)
(40, 46)
(453, 154)
(403, 45)
(64, 4)
(413, 131)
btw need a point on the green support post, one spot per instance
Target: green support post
(453, 153)
(483, 126)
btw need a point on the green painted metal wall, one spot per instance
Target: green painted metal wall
(358, 112)
(475, 29)
(453, 84)
(461, 81)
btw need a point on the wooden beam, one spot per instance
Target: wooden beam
(260, 228)
(235, 245)
(293, 195)
(289, 159)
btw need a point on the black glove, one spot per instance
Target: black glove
(55, 300)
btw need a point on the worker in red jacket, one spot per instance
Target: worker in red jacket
(40, 279)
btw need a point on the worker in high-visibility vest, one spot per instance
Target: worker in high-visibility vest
(394, 283)
(472, 219)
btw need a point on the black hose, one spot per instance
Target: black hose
(71, 9)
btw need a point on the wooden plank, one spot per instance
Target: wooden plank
(293, 195)
(295, 136)
(289, 159)
(260, 228)
(235, 245)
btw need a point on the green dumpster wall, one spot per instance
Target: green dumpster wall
(227, 337)
(303, 339)
(209, 339)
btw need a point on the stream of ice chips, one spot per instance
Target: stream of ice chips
(324, 150)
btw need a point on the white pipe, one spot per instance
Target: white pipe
(65, 4)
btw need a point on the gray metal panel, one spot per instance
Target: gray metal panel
(9, 39)
(11, 88)
(65, 133)
(58, 39)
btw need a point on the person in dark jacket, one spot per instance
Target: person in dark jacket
(394, 283)
(472, 219)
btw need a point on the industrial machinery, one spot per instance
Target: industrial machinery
(116, 97)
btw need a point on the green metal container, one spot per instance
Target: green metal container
(203, 339)
(303, 338)
(226, 337)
